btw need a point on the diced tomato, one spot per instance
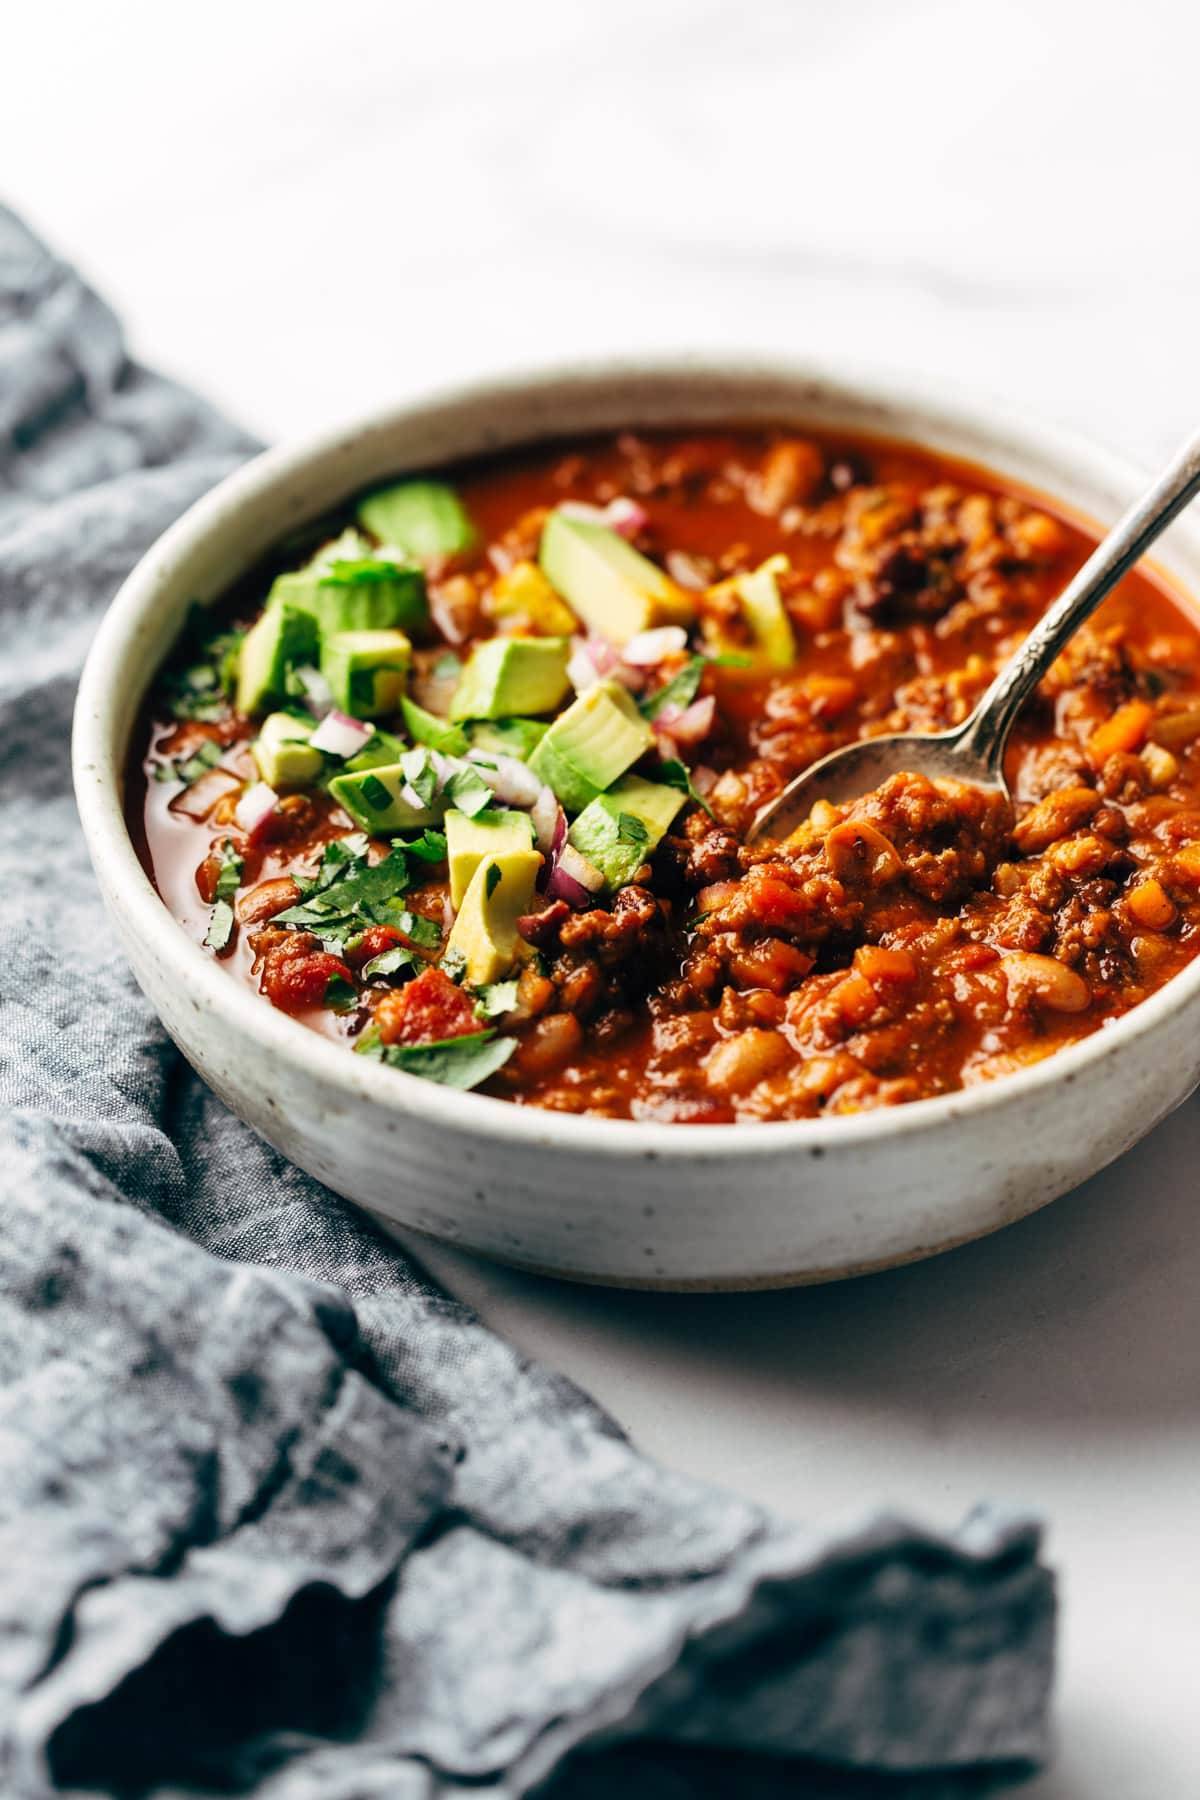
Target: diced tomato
(427, 1010)
(293, 979)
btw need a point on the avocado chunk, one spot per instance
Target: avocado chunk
(282, 753)
(485, 932)
(280, 639)
(765, 613)
(379, 800)
(615, 590)
(365, 593)
(590, 744)
(491, 832)
(425, 519)
(507, 675)
(618, 830)
(366, 670)
(427, 728)
(508, 737)
(522, 594)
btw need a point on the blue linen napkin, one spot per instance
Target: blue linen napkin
(275, 1515)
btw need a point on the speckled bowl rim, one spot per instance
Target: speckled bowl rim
(98, 774)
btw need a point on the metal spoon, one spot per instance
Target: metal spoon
(974, 750)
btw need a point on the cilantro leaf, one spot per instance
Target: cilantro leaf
(675, 774)
(389, 962)
(220, 926)
(430, 847)
(497, 997)
(491, 880)
(341, 996)
(189, 769)
(632, 829)
(469, 792)
(229, 873)
(681, 690)
(461, 1062)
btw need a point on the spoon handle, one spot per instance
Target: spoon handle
(986, 732)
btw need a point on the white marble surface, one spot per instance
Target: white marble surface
(306, 209)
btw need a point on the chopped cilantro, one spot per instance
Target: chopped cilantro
(676, 775)
(374, 793)
(498, 997)
(220, 926)
(454, 964)
(229, 873)
(389, 962)
(189, 769)
(341, 996)
(461, 1062)
(631, 828)
(491, 880)
(430, 847)
(364, 570)
(681, 690)
(420, 774)
(469, 792)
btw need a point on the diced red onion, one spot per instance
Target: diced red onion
(561, 886)
(340, 735)
(626, 517)
(704, 779)
(691, 724)
(560, 831)
(612, 666)
(444, 618)
(582, 672)
(318, 695)
(197, 801)
(508, 778)
(687, 571)
(256, 806)
(448, 914)
(649, 648)
(581, 510)
(548, 817)
(576, 867)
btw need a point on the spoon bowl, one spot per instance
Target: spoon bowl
(846, 774)
(974, 751)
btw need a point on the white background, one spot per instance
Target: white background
(306, 209)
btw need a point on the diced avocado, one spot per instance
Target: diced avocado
(765, 613)
(590, 744)
(615, 590)
(621, 828)
(423, 518)
(523, 593)
(490, 833)
(282, 753)
(485, 931)
(281, 638)
(366, 670)
(380, 750)
(376, 800)
(368, 594)
(508, 737)
(507, 675)
(427, 728)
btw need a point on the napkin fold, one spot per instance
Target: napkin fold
(278, 1517)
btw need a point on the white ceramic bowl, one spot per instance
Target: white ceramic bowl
(595, 1199)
